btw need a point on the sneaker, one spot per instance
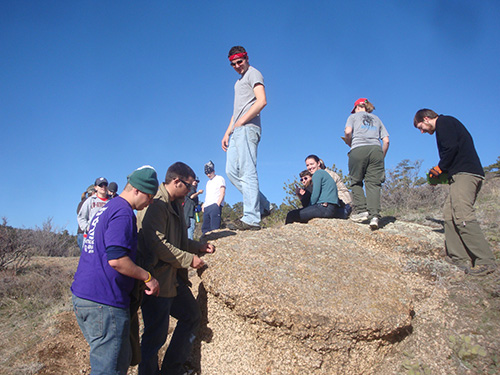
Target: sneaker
(374, 223)
(359, 218)
(241, 225)
(457, 263)
(481, 269)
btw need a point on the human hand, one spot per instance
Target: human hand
(197, 262)
(207, 248)
(225, 142)
(153, 287)
(435, 172)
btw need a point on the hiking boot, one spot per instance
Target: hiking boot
(374, 223)
(481, 269)
(359, 218)
(241, 225)
(457, 263)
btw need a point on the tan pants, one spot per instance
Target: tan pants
(465, 241)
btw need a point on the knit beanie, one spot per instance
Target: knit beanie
(209, 167)
(113, 187)
(144, 179)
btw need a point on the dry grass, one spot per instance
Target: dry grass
(27, 301)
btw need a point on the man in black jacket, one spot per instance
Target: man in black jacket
(466, 246)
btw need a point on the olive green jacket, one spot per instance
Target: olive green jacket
(164, 248)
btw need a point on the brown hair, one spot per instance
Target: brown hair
(367, 105)
(305, 173)
(236, 49)
(179, 170)
(421, 113)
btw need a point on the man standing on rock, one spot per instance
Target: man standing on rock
(465, 242)
(245, 130)
(106, 274)
(167, 253)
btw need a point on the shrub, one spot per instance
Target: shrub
(52, 241)
(14, 248)
(403, 190)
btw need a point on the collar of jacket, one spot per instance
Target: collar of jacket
(163, 195)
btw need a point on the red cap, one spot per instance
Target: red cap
(358, 102)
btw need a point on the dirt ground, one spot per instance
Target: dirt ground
(448, 303)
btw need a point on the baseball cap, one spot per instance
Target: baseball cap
(358, 102)
(100, 180)
(144, 179)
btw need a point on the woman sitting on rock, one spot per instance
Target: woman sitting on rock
(324, 199)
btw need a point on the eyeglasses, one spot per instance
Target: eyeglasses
(186, 184)
(238, 62)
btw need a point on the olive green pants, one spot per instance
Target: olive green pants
(465, 241)
(366, 165)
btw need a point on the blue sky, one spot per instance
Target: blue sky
(99, 88)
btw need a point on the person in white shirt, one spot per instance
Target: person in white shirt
(214, 199)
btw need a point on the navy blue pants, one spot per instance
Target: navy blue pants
(211, 218)
(305, 214)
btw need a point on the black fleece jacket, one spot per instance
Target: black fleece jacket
(456, 148)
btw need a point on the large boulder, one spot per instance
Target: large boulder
(327, 297)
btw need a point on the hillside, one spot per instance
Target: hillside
(329, 297)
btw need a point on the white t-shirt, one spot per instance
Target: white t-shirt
(213, 190)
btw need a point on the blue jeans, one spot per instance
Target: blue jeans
(192, 226)
(107, 330)
(211, 218)
(79, 240)
(317, 210)
(241, 168)
(155, 313)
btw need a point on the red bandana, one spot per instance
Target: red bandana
(237, 56)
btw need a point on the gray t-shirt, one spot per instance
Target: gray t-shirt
(244, 96)
(367, 129)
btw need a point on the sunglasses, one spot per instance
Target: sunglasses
(103, 185)
(238, 62)
(186, 184)
(304, 178)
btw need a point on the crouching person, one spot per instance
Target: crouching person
(166, 251)
(106, 274)
(324, 201)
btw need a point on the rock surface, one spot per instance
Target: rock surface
(328, 297)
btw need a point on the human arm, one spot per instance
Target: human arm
(83, 215)
(196, 194)
(159, 228)
(257, 106)
(447, 138)
(127, 267)
(221, 195)
(317, 184)
(225, 139)
(305, 199)
(385, 145)
(348, 135)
